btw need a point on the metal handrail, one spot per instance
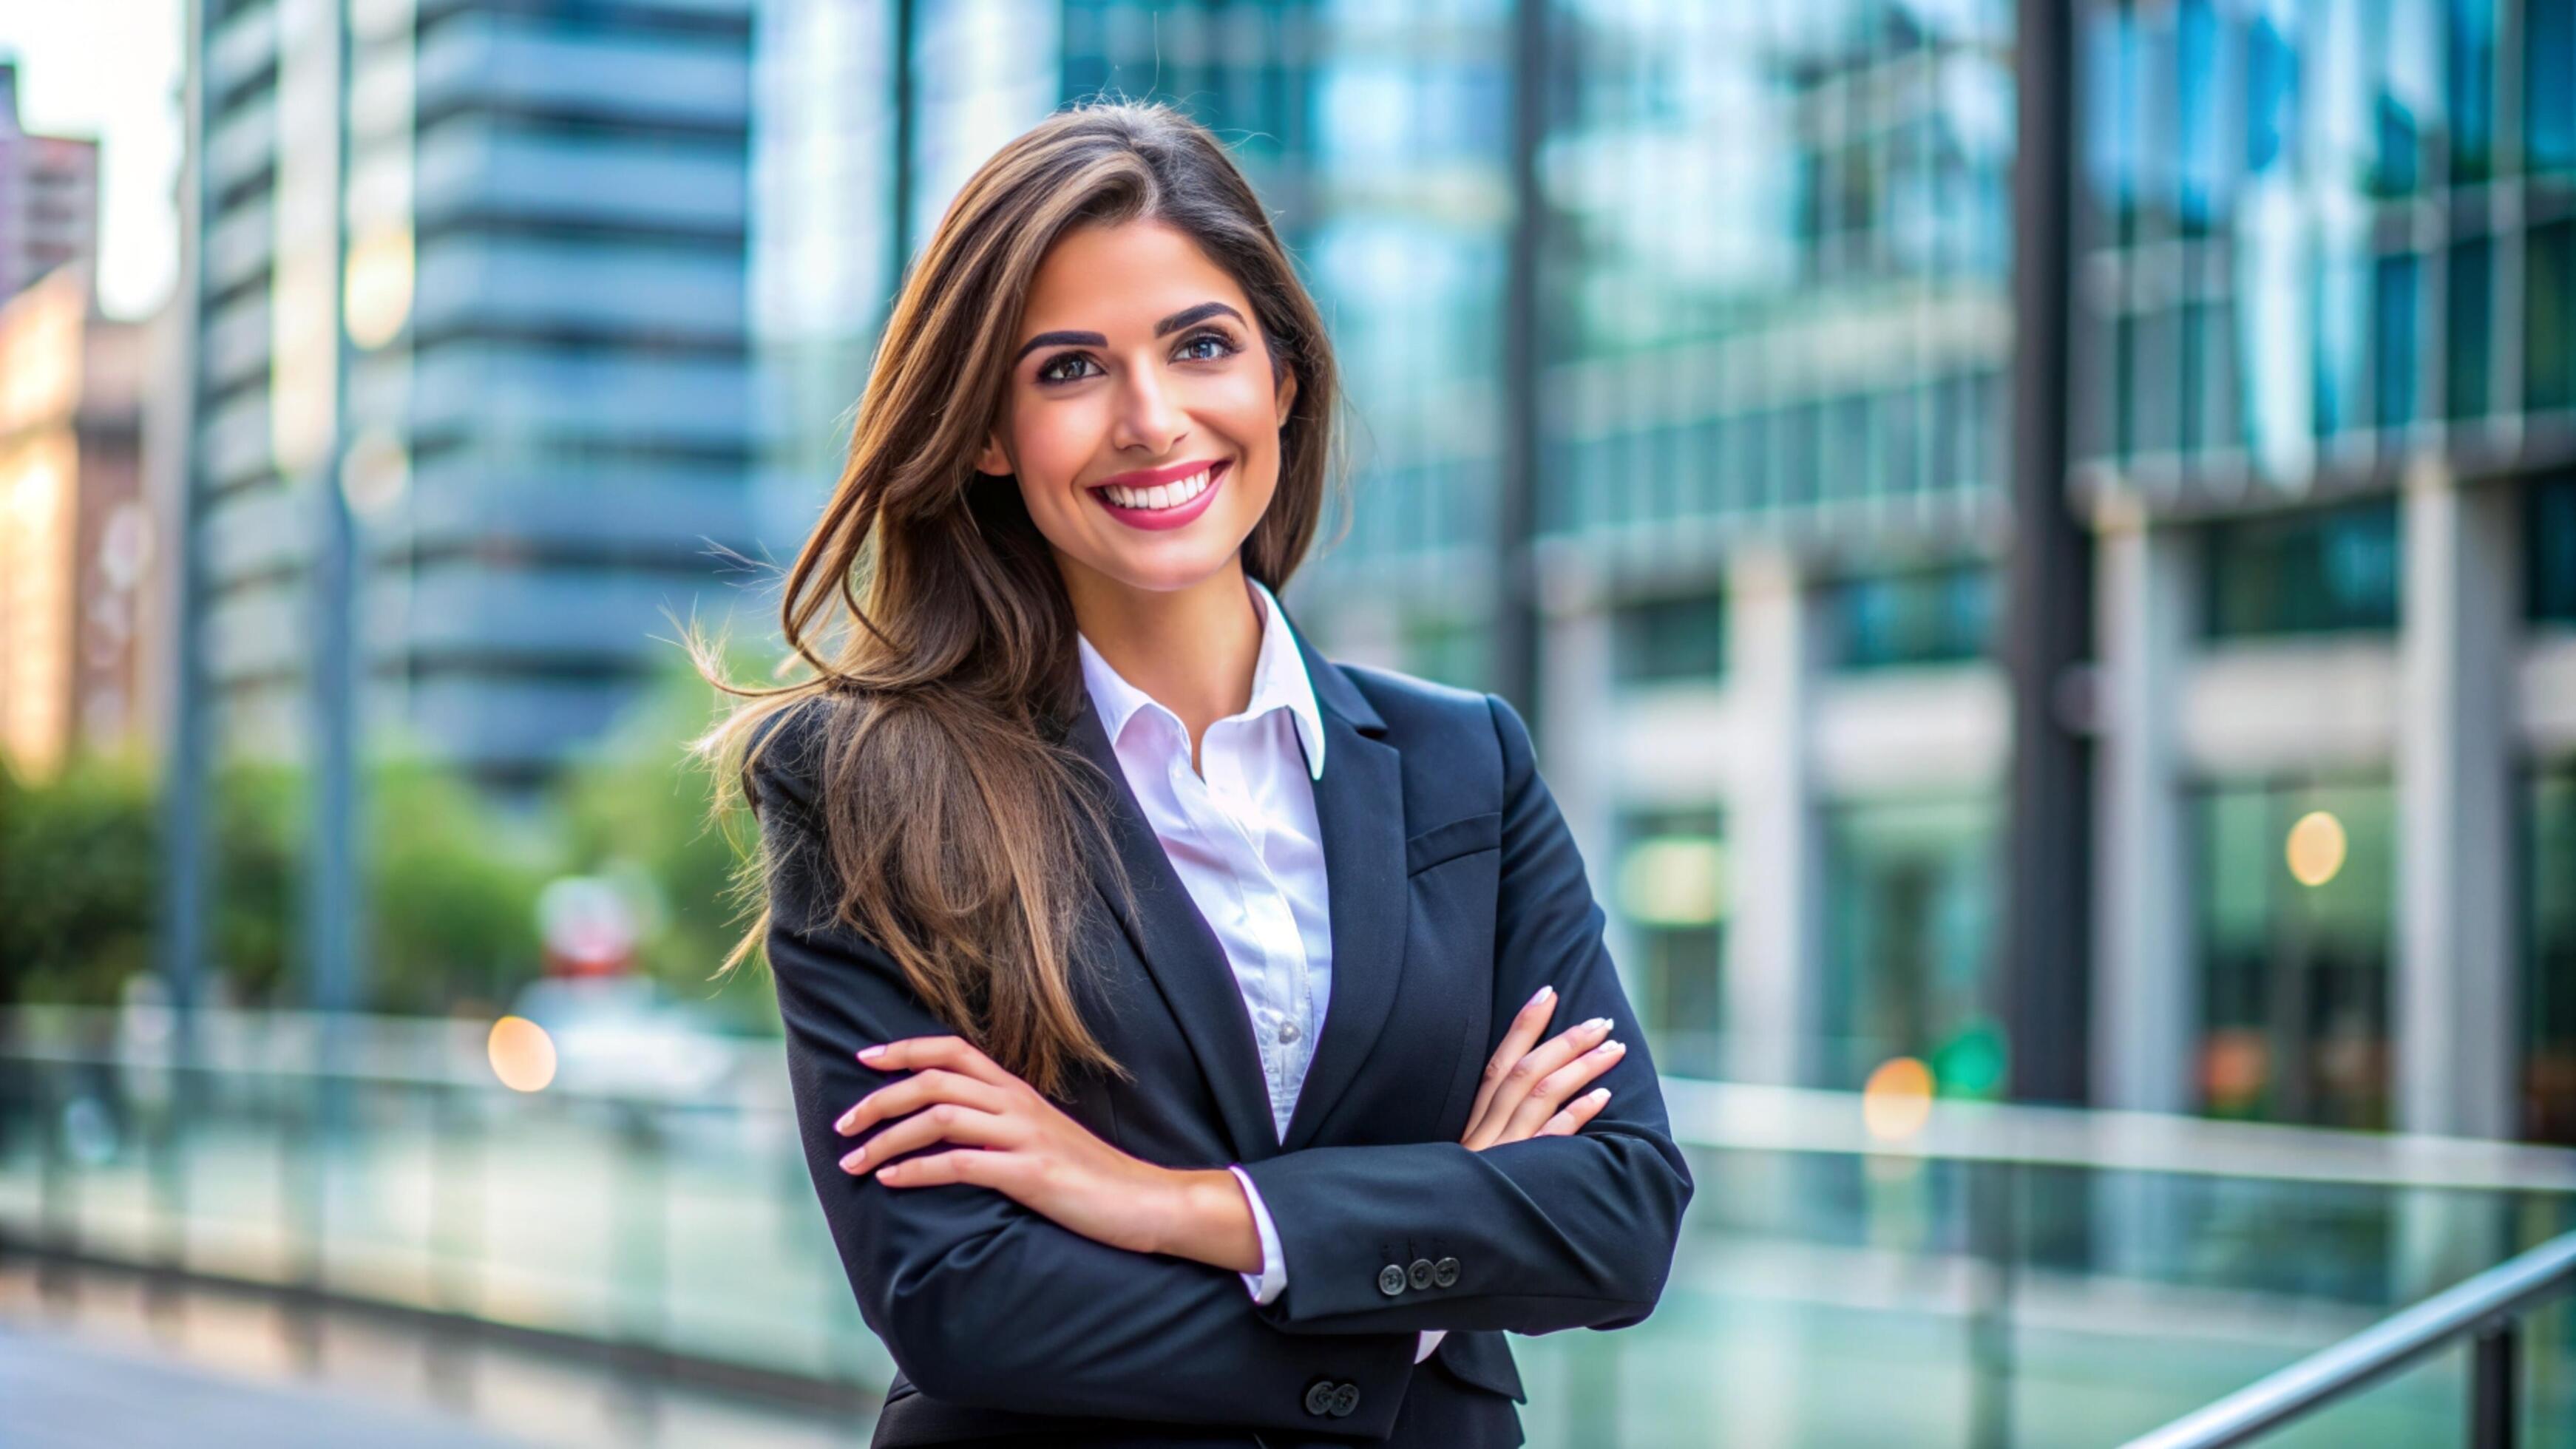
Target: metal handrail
(2488, 1307)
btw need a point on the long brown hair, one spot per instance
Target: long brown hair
(930, 612)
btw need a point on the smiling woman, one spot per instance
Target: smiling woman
(1164, 1001)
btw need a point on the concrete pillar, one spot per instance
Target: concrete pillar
(1579, 698)
(1775, 958)
(2146, 950)
(2454, 997)
(2146, 1006)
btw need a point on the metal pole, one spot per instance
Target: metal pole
(1516, 593)
(906, 126)
(2493, 1406)
(2047, 962)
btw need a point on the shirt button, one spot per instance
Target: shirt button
(1288, 1031)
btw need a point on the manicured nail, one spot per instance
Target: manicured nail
(1598, 1023)
(1599, 1094)
(1542, 996)
(867, 1054)
(1613, 1048)
(851, 1163)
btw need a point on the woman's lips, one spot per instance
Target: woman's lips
(1158, 519)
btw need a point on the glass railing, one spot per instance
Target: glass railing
(1852, 1272)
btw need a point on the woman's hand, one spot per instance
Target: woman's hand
(1525, 1089)
(1008, 1137)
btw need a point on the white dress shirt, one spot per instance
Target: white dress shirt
(1242, 837)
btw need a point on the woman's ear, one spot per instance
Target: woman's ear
(1287, 393)
(992, 459)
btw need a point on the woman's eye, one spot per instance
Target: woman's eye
(1053, 370)
(1048, 373)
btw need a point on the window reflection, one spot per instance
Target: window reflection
(2322, 571)
(1672, 893)
(2549, 318)
(2549, 978)
(1909, 891)
(2548, 95)
(2295, 977)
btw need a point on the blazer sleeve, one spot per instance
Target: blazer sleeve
(1548, 1233)
(982, 1301)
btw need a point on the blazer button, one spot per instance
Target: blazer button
(1420, 1276)
(1345, 1399)
(1445, 1273)
(1320, 1397)
(1390, 1280)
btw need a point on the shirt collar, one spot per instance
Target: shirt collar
(1279, 681)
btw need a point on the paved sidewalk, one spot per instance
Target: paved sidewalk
(60, 1392)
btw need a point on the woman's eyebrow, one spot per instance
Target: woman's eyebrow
(1173, 323)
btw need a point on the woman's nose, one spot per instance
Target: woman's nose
(1148, 419)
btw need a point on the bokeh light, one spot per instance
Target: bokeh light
(2316, 848)
(523, 1056)
(1897, 1100)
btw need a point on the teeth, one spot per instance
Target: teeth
(1161, 495)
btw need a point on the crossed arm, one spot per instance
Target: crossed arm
(985, 1300)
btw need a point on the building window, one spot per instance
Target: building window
(1672, 890)
(2394, 339)
(2294, 884)
(2548, 101)
(2552, 575)
(1910, 898)
(2320, 571)
(1936, 616)
(2468, 359)
(2472, 88)
(2549, 980)
(1666, 640)
(2549, 314)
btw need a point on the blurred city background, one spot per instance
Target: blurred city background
(2038, 541)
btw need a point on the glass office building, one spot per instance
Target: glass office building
(481, 267)
(2320, 444)
(2322, 408)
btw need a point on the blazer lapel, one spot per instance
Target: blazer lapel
(1359, 810)
(1183, 955)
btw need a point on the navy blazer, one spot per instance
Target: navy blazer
(1456, 893)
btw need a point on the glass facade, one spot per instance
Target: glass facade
(2305, 573)
(2301, 233)
(1910, 942)
(2295, 884)
(2549, 958)
(1672, 892)
(2551, 571)
(1931, 616)
(1775, 269)
(1671, 640)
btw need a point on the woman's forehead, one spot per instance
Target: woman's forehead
(1124, 277)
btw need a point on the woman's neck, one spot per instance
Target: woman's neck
(1192, 650)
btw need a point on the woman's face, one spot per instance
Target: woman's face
(1140, 420)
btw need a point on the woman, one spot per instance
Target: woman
(1164, 1001)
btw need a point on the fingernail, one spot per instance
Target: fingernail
(873, 1052)
(851, 1162)
(1613, 1048)
(1599, 1094)
(843, 1125)
(1542, 995)
(1598, 1023)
